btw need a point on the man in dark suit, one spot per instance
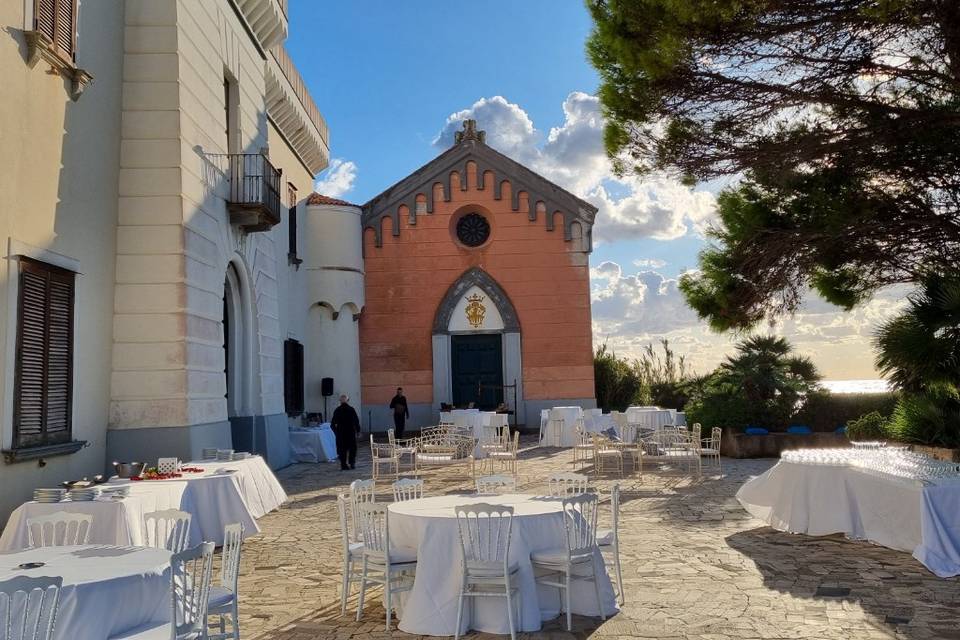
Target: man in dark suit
(400, 412)
(346, 427)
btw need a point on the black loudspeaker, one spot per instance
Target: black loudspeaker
(326, 387)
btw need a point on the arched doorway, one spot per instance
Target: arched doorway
(476, 345)
(237, 351)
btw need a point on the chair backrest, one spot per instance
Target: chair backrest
(407, 489)
(230, 556)
(493, 485)
(615, 510)
(628, 433)
(382, 451)
(167, 465)
(190, 573)
(715, 434)
(343, 506)
(168, 529)
(391, 438)
(580, 520)
(695, 435)
(361, 492)
(563, 485)
(375, 529)
(490, 435)
(28, 607)
(515, 447)
(60, 529)
(485, 531)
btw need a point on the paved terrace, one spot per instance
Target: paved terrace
(695, 566)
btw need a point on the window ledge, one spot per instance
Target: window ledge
(43, 451)
(40, 46)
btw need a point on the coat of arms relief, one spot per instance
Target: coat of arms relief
(475, 310)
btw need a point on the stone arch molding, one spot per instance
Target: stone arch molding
(476, 276)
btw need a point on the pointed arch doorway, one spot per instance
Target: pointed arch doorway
(476, 346)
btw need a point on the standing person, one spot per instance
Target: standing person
(346, 427)
(400, 412)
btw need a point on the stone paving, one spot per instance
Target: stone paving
(695, 566)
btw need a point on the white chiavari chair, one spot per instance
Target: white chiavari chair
(383, 564)
(582, 448)
(609, 540)
(564, 485)
(711, 446)
(383, 456)
(495, 485)
(556, 566)
(167, 529)
(406, 447)
(190, 575)
(509, 457)
(351, 548)
(224, 597)
(61, 529)
(28, 607)
(361, 492)
(606, 456)
(485, 534)
(407, 489)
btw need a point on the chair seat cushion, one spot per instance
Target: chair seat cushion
(220, 596)
(604, 537)
(356, 549)
(150, 631)
(480, 569)
(402, 555)
(436, 458)
(550, 556)
(501, 454)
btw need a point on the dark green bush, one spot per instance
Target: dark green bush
(824, 411)
(872, 426)
(927, 418)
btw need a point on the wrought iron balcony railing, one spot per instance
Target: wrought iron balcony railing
(254, 199)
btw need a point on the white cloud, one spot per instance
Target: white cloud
(574, 157)
(337, 180)
(650, 263)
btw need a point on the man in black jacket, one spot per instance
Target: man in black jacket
(346, 427)
(400, 412)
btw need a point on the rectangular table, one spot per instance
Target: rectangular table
(904, 514)
(215, 498)
(313, 445)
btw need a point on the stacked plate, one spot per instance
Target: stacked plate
(118, 492)
(224, 454)
(240, 455)
(83, 495)
(48, 495)
(210, 454)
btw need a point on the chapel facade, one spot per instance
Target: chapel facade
(477, 289)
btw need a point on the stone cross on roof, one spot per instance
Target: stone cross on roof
(470, 132)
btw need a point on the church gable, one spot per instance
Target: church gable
(493, 171)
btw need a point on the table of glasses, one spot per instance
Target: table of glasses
(430, 526)
(106, 591)
(887, 495)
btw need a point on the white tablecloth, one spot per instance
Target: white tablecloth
(430, 526)
(894, 512)
(313, 445)
(598, 423)
(106, 590)
(569, 436)
(214, 498)
(651, 418)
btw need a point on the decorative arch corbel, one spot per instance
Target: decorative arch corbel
(476, 276)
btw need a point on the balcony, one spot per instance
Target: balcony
(254, 198)
(267, 19)
(293, 111)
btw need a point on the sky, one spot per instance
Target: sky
(395, 79)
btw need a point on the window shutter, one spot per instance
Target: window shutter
(57, 19)
(66, 26)
(293, 377)
(44, 359)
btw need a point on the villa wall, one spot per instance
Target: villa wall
(58, 204)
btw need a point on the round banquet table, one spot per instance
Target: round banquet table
(106, 590)
(651, 418)
(430, 526)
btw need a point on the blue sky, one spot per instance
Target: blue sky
(394, 79)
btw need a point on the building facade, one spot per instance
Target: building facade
(159, 283)
(477, 289)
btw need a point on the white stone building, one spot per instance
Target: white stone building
(162, 259)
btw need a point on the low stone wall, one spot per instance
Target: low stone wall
(939, 453)
(740, 445)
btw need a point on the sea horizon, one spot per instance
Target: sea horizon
(864, 385)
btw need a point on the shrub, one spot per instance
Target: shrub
(824, 411)
(927, 418)
(871, 426)
(617, 384)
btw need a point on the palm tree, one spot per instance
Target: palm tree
(767, 372)
(919, 351)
